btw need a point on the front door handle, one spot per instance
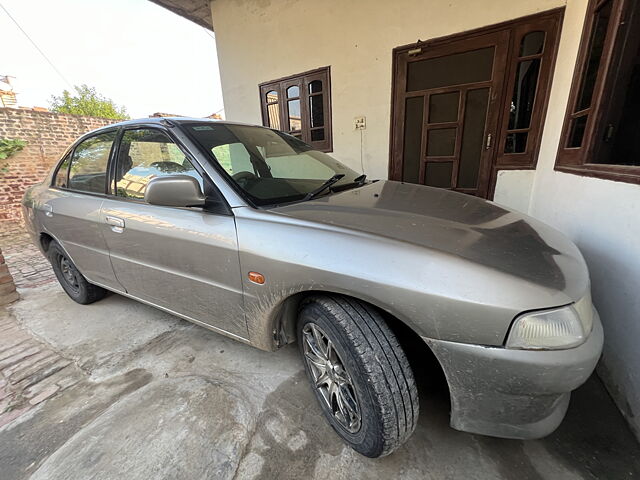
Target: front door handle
(117, 224)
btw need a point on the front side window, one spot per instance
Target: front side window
(600, 131)
(271, 167)
(146, 154)
(300, 106)
(88, 168)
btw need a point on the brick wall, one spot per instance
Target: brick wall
(47, 135)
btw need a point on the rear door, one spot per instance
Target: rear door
(72, 210)
(182, 259)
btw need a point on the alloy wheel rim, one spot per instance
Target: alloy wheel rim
(330, 378)
(69, 273)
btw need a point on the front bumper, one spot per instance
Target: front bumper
(521, 394)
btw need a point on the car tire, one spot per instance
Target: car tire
(70, 278)
(359, 373)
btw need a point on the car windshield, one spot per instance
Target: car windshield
(271, 167)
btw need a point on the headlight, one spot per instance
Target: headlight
(559, 328)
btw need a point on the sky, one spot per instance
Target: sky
(135, 52)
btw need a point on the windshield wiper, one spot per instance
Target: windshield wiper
(360, 180)
(323, 187)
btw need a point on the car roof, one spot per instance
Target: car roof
(168, 121)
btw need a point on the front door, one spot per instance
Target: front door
(182, 259)
(465, 106)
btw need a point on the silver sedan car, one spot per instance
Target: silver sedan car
(252, 233)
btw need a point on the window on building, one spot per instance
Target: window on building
(88, 169)
(301, 106)
(599, 136)
(146, 154)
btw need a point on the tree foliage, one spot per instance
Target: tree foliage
(87, 101)
(9, 146)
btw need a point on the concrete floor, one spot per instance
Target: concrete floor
(161, 398)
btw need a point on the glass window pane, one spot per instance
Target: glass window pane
(524, 94)
(316, 110)
(61, 175)
(271, 96)
(274, 116)
(443, 107)
(317, 135)
(284, 168)
(146, 154)
(233, 157)
(516, 142)
(293, 92)
(532, 43)
(466, 67)
(596, 44)
(412, 155)
(441, 142)
(295, 120)
(315, 86)
(617, 142)
(576, 132)
(438, 174)
(88, 171)
(473, 137)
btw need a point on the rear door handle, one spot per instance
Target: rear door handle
(117, 224)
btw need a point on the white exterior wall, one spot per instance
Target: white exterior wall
(603, 218)
(262, 40)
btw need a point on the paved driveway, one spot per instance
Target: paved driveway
(119, 390)
(153, 396)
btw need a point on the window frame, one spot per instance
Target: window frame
(302, 80)
(576, 160)
(528, 160)
(69, 154)
(210, 188)
(112, 189)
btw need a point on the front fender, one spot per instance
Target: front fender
(437, 295)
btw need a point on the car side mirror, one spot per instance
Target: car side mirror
(174, 191)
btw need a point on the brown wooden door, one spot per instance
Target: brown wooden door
(447, 115)
(455, 101)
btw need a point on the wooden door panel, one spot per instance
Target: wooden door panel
(437, 88)
(505, 67)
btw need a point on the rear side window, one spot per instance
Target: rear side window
(146, 154)
(62, 174)
(88, 169)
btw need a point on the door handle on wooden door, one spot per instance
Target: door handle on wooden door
(117, 224)
(487, 143)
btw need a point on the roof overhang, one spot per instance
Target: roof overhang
(198, 11)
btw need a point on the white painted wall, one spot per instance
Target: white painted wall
(603, 218)
(513, 189)
(261, 40)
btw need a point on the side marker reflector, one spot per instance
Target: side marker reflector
(256, 277)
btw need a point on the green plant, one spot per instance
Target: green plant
(87, 101)
(9, 146)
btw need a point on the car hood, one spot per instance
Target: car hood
(452, 223)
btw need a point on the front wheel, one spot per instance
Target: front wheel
(359, 374)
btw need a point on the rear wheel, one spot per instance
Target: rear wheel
(359, 374)
(71, 280)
